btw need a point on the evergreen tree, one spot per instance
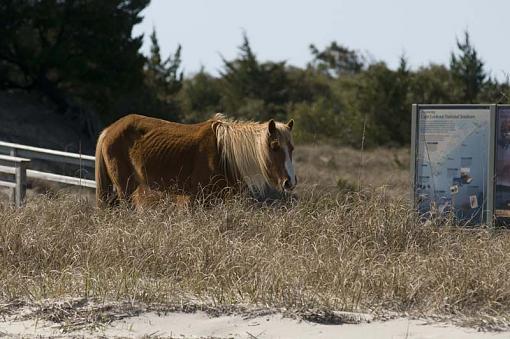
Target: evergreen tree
(468, 71)
(336, 60)
(163, 77)
(82, 48)
(432, 85)
(383, 97)
(200, 97)
(258, 90)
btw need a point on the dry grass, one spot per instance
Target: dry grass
(333, 249)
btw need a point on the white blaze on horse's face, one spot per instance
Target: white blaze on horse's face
(281, 169)
(289, 167)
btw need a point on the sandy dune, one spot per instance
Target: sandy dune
(200, 325)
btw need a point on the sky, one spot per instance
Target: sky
(424, 31)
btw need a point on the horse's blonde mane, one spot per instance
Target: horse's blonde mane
(244, 150)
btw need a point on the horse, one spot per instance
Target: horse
(138, 154)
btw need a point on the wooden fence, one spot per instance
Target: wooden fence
(15, 160)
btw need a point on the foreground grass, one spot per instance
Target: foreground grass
(344, 251)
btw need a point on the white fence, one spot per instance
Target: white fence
(15, 160)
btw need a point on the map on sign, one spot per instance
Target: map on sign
(452, 162)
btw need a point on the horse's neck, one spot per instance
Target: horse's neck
(240, 149)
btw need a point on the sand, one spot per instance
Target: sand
(201, 325)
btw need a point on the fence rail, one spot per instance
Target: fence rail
(18, 167)
(15, 160)
(30, 152)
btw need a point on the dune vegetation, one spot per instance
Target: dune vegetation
(349, 241)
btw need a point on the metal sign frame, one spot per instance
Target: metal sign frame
(497, 220)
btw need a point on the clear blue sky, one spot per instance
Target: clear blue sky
(425, 30)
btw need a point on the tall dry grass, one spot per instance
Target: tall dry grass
(333, 248)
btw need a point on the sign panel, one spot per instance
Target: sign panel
(502, 165)
(452, 153)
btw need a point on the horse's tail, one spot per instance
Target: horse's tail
(104, 186)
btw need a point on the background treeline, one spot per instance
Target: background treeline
(82, 57)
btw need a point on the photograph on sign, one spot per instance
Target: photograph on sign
(451, 162)
(502, 164)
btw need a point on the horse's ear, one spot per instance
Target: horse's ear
(290, 124)
(272, 127)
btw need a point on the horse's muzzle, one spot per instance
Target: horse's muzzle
(287, 184)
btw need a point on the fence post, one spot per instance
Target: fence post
(21, 182)
(12, 191)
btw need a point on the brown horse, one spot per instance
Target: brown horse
(138, 154)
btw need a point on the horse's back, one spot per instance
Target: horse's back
(153, 132)
(163, 153)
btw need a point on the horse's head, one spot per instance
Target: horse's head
(280, 147)
(259, 154)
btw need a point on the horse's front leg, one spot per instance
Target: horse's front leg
(145, 197)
